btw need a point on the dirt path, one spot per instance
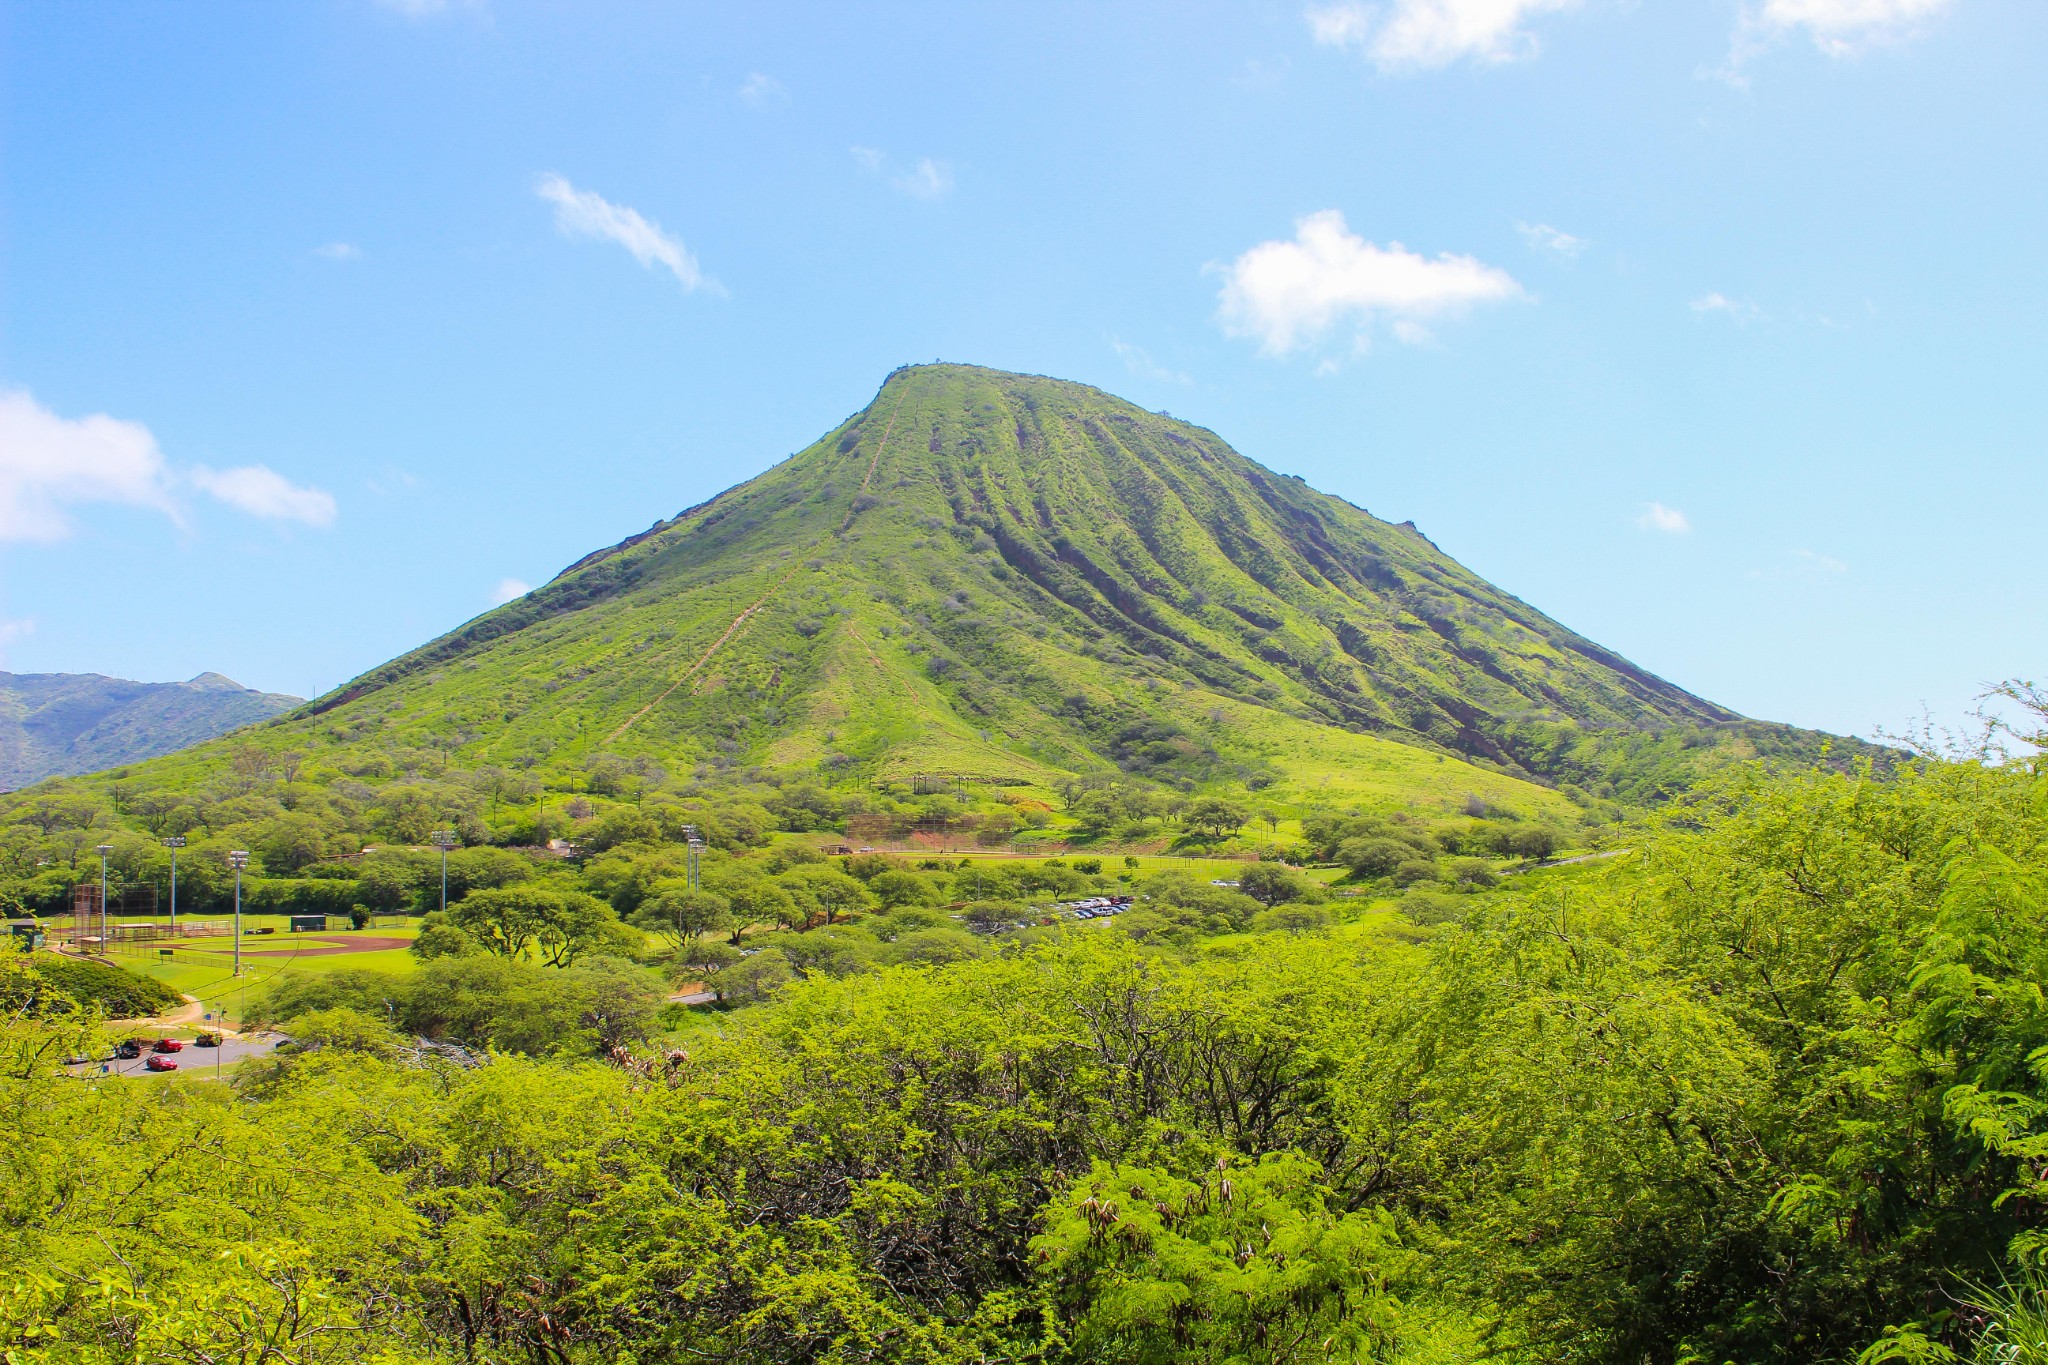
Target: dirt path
(187, 1013)
(740, 621)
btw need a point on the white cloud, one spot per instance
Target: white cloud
(763, 91)
(509, 590)
(263, 492)
(1840, 28)
(48, 463)
(1431, 33)
(581, 213)
(869, 158)
(1657, 517)
(928, 180)
(1717, 303)
(1816, 562)
(1544, 237)
(339, 251)
(1286, 293)
(1141, 364)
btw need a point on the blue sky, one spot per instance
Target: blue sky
(1712, 329)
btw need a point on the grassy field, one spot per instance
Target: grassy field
(205, 967)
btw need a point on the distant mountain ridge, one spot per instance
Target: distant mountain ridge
(57, 724)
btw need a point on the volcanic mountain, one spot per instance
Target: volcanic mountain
(1006, 576)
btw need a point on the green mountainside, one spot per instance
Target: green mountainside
(1016, 579)
(52, 724)
(1001, 575)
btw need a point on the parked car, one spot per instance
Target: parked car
(160, 1064)
(129, 1048)
(168, 1045)
(207, 1039)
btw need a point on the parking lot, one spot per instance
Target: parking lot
(192, 1060)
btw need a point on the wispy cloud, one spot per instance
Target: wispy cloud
(430, 9)
(927, 179)
(1842, 28)
(392, 480)
(509, 590)
(1430, 34)
(763, 91)
(263, 492)
(1839, 28)
(1717, 304)
(1669, 520)
(1544, 237)
(50, 465)
(1802, 564)
(339, 251)
(12, 630)
(1286, 293)
(582, 213)
(1141, 364)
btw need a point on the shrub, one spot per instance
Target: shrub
(119, 993)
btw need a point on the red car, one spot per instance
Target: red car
(160, 1064)
(168, 1045)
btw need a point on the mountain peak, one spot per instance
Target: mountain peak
(217, 682)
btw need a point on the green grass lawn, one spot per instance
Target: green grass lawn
(205, 967)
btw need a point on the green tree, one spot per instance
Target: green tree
(1215, 816)
(679, 915)
(557, 927)
(1271, 884)
(894, 889)
(1247, 1264)
(751, 897)
(821, 890)
(1374, 855)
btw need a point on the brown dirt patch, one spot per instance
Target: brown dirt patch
(313, 946)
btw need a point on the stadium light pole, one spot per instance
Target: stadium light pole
(103, 850)
(238, 859)
(174, 843)
(443, 839)
(695, 843)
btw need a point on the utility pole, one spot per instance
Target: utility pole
(174, 843)
(238, 859)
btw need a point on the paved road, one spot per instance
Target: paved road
(203, 1061)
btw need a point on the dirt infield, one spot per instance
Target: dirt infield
(312, 946)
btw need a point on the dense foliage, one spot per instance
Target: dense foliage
(1772, 1088)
